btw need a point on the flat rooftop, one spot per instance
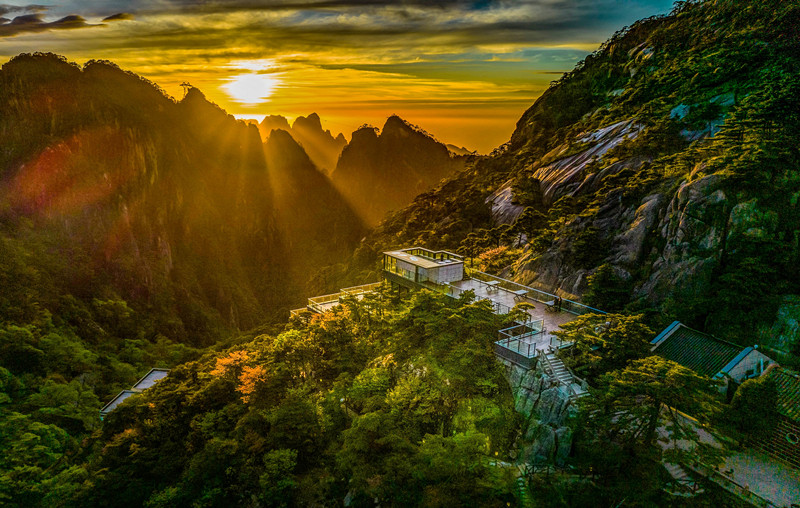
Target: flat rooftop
(116, 401)
(149, 379)
(421, 261)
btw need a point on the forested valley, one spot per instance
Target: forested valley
(658, 181)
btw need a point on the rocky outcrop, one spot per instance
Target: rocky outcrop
(504, 211)
(629, 245)
(545, 405)
(565, 175)
(785, 331)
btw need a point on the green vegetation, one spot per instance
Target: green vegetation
(159, 238)
(396, 400)
(710, 97)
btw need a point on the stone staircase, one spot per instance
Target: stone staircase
(563, 374)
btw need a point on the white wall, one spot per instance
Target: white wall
(450, 273)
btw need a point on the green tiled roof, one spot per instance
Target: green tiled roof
(788, 384)
(698, 351)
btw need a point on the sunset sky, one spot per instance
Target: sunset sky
(464, 71)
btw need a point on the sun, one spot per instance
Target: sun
(251, 88)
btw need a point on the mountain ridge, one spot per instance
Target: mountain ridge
(614, 166)
(376, 159)
(320, 145)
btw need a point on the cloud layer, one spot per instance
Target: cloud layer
(372, 56)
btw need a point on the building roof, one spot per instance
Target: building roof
(116, 401)
(421, 261)
(788, 384)
(149, 379)
(698, 351)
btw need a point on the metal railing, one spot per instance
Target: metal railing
(575, 379)
(322, 303)
(514, 344)
(318, 303)
(538, 295)
(522, 331)
(550, 367)
(436, 255)
(360, 290)
(520, 359)
(498, 307)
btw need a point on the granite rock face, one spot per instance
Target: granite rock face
(546, 408)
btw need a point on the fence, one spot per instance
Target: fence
(538, 295)
(520, 359)
(439, 255)
(320, 304)
(360, 290)
(522, 331)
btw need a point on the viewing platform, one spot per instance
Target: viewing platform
(524, 344)
(442, 271)
(322, 304)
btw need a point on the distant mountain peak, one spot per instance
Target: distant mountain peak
(271, 122)
(395, 122)
(396, 164)
(320, 145)
(311, 122)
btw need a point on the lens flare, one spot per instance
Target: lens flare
(251, 89)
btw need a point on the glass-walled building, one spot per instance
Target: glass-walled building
(422, 265)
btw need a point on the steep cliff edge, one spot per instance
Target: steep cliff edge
(668, 157)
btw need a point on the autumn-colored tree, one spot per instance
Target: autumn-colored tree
(249, 381)
(230, 365)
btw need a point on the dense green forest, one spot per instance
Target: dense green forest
(659, 180)
(134, 232)
(391, 398)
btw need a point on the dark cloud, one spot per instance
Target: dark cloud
(33, 21)
(7, 9)
(120, 16)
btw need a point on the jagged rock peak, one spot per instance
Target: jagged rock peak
(271, 122)
(311, 121)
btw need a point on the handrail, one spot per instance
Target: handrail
(572, 390)
(530, 326)
(570, 306)
(358, 290)
(316, 303)
(432, 254)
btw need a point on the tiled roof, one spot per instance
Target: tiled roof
(788, 384)
(698, 351)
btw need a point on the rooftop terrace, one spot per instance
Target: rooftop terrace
(426, 258)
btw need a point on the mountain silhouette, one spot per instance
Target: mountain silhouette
(321, 146)
(379, 172)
